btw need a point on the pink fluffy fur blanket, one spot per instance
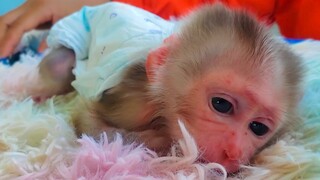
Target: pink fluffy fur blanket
(38, 141)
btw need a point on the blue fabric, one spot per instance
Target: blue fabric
(106, 39)
(293, 41)
(9, 61)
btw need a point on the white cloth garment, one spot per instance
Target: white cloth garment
(106, 39)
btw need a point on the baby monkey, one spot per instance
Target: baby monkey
(222, 74)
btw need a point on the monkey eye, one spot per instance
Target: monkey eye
(258, 128)
(222, 105)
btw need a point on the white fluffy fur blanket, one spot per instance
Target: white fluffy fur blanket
(38, 142)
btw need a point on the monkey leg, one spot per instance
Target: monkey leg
(54, 75)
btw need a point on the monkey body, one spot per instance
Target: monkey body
(222, 74)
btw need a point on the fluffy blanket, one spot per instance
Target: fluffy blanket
(38, 141)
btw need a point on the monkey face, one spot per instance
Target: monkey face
(232, 116)
(231, 83)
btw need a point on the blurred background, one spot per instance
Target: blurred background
(295, 19)
(7, 5)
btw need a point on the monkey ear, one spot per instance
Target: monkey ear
(157, 57)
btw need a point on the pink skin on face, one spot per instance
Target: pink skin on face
(227, 138)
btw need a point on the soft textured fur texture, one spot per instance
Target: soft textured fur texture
(38, 141)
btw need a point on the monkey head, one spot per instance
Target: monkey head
(234, 86)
